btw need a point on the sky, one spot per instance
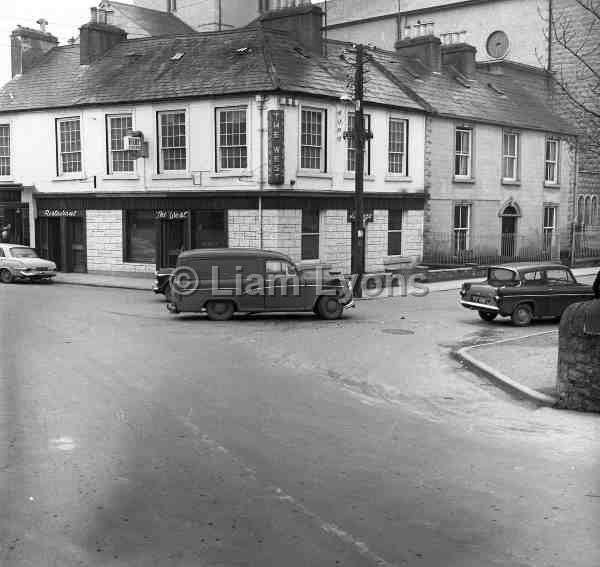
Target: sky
(64, 19)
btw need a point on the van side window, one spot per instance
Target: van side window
(275, 267)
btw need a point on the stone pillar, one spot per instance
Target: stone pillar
(578, 378)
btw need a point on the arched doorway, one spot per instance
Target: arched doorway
(508, 235)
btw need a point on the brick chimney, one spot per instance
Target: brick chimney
(98, 36)
(461, 56)
(28, 46)
(299, 18)
(425, 48)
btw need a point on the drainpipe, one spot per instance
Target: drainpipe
(261, 184)
(573, 237)
(550, 23)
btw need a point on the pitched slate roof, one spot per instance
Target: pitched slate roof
(153, 22)
(217, 63)
(486, 97)
(254, 60)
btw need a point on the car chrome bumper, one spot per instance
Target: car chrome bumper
(155, 287)
(475, 305)
(350, 304)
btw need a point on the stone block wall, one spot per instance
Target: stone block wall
(282, 231)
(243, 228)
(412, 233)
(377, 241)
(105, 244)
(335, 242)
(578, 376)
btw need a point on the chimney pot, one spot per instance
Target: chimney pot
(461, 56)
(28, 46)
(43, 24)
(426, 48)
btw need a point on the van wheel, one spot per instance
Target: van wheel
(329, 307)
(220, 310)
(522, 315)
(6, 276)
(488, 315)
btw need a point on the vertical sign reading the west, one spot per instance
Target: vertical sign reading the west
(276, 147)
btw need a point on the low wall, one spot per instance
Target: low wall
(578, 376)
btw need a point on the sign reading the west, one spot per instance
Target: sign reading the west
(59, 213)
(171, 214)
(276, 147)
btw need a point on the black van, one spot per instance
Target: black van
(224, 281)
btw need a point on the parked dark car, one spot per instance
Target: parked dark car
(524, 292)
(162, 278)
(247, 280)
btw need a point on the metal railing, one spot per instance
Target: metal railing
(586, 243)
(464, 248)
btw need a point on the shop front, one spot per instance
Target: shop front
(61, 237)
(14, 215)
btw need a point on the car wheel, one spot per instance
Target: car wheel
(6, 276)
(522, 315)
(220, 310)
(329, 307)
(488, 315)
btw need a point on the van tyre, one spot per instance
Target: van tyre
(6, 276)
(522, 315)
(488, 315)
(220, 310)
(329, 307)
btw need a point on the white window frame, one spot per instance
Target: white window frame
(549, 162)
(404, 153)
(507, 156)
(218, 155)
(160, 161)
(323, 134)
(59, 153)
(462, 154)
(466, 230)
(352, 148)
(8, 157)
(110, 150)
(399, 231)
(549, 229)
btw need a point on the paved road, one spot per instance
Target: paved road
(131, 437)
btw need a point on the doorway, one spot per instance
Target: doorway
(509, 232)
(173, 238)
(63, 240)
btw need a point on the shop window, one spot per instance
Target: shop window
(140, 237)
(310, 235)
(395, 232)
(209, 229)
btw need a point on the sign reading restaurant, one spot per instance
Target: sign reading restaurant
(59, 213)
(171, 214)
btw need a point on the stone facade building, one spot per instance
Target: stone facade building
(241, 142)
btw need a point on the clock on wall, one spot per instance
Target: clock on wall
(497, 44)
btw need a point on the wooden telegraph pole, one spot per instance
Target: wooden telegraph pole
(359, 136)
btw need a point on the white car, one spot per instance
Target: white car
(18, 262)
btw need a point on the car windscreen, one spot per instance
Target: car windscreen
(501, 276)
(23, 252)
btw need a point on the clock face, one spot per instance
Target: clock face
(497, 44)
